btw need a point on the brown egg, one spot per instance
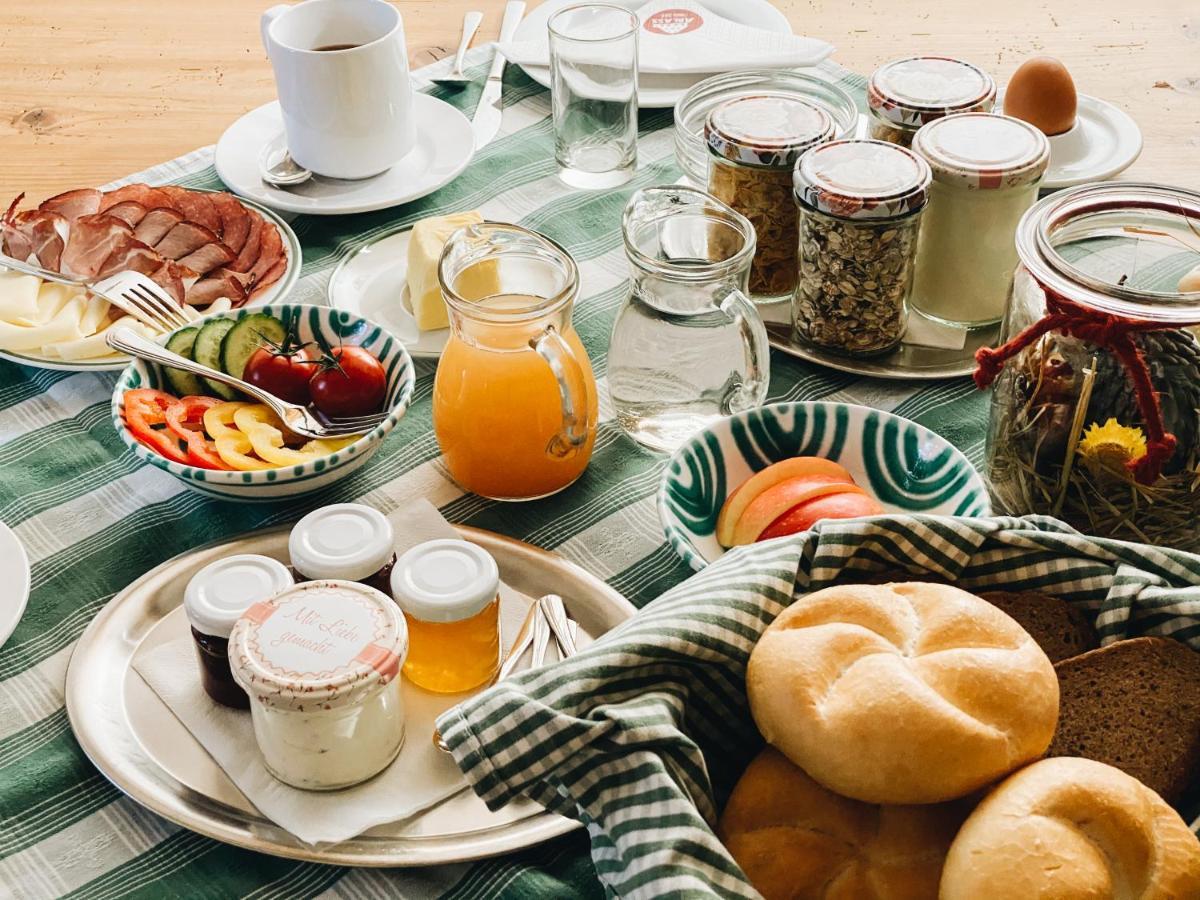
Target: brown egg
(1042, 93)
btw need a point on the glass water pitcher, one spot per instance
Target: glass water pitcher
(688, 346)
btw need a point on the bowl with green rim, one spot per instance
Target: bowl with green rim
(905, 466)
(310, 323)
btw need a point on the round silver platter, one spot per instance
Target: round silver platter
(138, 744)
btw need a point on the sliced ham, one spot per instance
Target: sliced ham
(49, 232)
(149, 197)
(92, 240)
(129, 211)
(271, 276)
(248, 255)
(155, 225)
(216, 285)
(235, 221)
(269, 254)
(195, 206)
(183, 239)
(73, 204)
(16, 239)
(209, 257)
(132, 256)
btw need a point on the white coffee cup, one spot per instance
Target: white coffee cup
(347, 113)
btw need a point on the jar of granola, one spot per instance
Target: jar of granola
(860, 205)
(753, 144)
(907, 93)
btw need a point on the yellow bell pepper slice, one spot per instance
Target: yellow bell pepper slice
(234, 448)
(218, 419)
(265, 433)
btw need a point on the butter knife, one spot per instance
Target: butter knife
(490, 109)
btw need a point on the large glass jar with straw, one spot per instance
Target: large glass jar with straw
(1095, 417)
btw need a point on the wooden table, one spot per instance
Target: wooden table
(91, 90)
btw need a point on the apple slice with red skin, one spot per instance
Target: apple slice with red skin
(777, 500)
(831, 506)
(795, 467)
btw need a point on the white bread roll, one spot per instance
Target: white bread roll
(902, 693)
(1072, 828)
(795, 840)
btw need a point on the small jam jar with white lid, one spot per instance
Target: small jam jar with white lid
(321, 664)
(214, 599)
(346, 541)
(907, 93)
(449, 591)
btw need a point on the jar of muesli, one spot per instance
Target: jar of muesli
(907, 93)
(753, 145)
(860, 205)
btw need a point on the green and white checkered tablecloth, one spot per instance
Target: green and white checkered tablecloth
(93, 520)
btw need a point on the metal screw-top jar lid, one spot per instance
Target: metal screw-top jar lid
(983, 151)
(911, 92)
(769, 130)
(862, 180)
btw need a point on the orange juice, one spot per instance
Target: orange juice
(498, 407)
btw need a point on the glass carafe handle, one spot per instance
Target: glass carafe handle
(752, 390)
(572, 390)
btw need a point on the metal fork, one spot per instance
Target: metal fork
(297, 419)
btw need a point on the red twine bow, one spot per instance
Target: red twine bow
(1104, 330)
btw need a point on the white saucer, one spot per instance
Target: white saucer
(445, 144)
(370, 282)
(657, 90)
(14, 573)
(1104, 142)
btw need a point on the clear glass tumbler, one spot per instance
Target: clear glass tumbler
(594, 73)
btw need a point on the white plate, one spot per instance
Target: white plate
(370, 282)
(658, 90)
(445, 144)
(14, 573)
(115, 363)
(1104, 142)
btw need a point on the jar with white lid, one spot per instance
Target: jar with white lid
(860, 208)
(905, 94)
(986, 171)
(449, 591)
(753, 145)
(321, 664)
(346, 541)
(214, 600)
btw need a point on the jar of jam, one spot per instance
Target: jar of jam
(449, 592)
(321, 664)
(345, 541)
(214, 599)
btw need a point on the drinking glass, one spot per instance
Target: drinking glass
(514, 398)
(688, 346)
(593, 71)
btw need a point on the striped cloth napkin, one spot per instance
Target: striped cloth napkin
(642, 736)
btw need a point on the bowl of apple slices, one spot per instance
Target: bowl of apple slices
(780, 469)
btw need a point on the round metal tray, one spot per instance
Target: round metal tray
(138, 744)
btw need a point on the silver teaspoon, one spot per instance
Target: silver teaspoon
(277, 168)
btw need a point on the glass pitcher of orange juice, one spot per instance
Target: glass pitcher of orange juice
(514, 398)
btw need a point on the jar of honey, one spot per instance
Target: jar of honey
(449, 592)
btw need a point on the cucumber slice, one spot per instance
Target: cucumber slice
(246, 336)
(185, 384)
(207, 351)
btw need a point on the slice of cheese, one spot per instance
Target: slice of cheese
(429, 236)
(63, 327)
(19, 297)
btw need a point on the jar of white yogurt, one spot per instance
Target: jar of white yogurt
(321, 665)
(986, 171)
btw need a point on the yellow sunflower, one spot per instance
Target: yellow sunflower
(1112, 445)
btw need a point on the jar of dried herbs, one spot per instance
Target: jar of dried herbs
(1095, 416)
(907, 93)
(753, 144)
(860, 205)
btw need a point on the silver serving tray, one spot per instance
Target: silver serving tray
(131, 736)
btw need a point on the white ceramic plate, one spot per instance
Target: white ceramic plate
(370, 282)
(445, 144)
(115, 363)
(14, 573)
(1104, 142)
(658, 90)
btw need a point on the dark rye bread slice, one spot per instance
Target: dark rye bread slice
(1060, 628)
(1135, 705)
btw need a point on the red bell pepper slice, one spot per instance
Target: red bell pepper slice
(186, 421)
(145, 416)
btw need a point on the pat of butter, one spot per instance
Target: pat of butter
(429, 236)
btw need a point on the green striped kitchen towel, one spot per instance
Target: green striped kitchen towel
(642, 736)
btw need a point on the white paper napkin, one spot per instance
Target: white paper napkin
(420, 777)
(682, 36)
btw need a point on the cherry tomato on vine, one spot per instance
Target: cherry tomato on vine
(352, 382)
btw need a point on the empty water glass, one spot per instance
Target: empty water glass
(687, 347)
(593, 66)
